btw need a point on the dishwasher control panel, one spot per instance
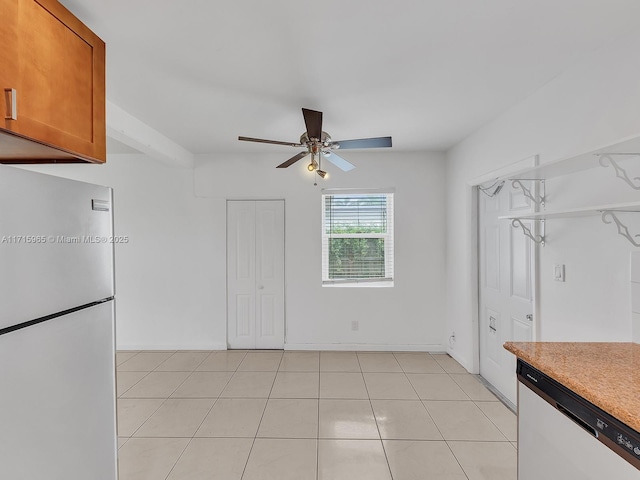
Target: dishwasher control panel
(619, 437)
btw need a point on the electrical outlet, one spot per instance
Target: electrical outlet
(355, 326)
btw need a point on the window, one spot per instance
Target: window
(357, 237)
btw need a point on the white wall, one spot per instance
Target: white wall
(171, 277)
(594, 103)
(164, 276)
(407, 316)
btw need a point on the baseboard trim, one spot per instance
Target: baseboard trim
(507, 403)
(359, 347)
(365, 347)
(207, 346)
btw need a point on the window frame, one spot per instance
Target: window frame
(389, 262)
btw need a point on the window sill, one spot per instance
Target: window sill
(386, 284)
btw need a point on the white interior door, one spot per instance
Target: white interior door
(506, 286)
(255, 274)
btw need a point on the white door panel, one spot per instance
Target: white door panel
(270, 273)
(244, 316)
(255, 282)
(491, 252)
(56, 252)
(57, 409)
(506, 260)
(522, 331)
(520, 259)
(241, 274)
(518, 202)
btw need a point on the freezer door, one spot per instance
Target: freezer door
(56, 250)
(57, 407)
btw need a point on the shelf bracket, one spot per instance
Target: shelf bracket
(622, 228)
(539, 239)
(620, 172)
(537, 199)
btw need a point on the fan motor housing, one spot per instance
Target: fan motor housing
(324, 142)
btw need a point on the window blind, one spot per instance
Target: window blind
(357, 237)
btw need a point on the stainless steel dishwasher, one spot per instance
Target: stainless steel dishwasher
(562, 436)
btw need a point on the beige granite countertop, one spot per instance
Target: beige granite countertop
(606, 374)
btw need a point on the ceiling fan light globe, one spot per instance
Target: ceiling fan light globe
(323, 174)
(311, 167)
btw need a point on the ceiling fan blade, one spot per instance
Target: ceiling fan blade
(293, 160)
(377, 142)
(275, 142)
(313, 121)
(338, 161)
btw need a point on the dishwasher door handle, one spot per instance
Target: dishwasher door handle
(578, 420)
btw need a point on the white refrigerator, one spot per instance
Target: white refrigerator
(57, 340)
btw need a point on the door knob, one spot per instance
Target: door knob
(530, 317)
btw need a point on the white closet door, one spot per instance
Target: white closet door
(507, 261)
(241, 274)
(269, 269)
(255, 274)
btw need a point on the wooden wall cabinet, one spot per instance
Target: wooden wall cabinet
(52, 81)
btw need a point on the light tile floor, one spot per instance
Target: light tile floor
(262, 415)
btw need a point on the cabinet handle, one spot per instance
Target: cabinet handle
(11, 102)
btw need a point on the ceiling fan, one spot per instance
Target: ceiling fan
(320, 145)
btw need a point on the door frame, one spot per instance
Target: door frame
(226, 262)
(473, 192)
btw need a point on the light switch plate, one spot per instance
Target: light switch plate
(558, 272)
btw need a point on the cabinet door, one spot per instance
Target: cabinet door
(60, 82)
(8, 55)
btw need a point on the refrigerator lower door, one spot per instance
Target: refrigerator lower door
(56, 248)
(57, 406)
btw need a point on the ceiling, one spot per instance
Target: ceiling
(427, 72)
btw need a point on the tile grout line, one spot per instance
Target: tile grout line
(122, 363)
(164, 399)
(485, 415)
(143, 377)
(143, 398)
(318, 422)
(244, 470)
(431, 417)
(159, 407)
(165, 360)
(213, 405)
(476, 404)
(203, 418)
(375, 419)
(434, 422)
(317, 437)
(489, 418)
(179, 457)
(421, 400)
